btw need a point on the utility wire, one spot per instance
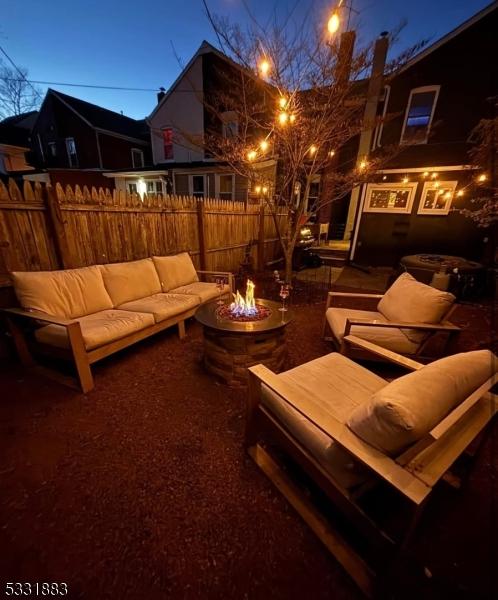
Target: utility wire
(101, 87)
(23, 77)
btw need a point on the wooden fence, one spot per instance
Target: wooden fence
(45, 228)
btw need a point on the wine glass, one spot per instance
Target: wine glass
(284, 293)
(220, 286)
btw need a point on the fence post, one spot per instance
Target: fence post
(55, 224)
(201, 234)
(261, 238)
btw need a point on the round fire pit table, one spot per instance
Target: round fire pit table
(231, 346)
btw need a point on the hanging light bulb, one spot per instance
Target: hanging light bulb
(265, 189)
(283, 117)
(482, 178)
(363, 165)
(264, 67)
(312, 149)
(434, 176)
(251, 155)
(333, 23)
(460, 193)
(263, 145)
(292, 118)
(405, 180)
(282, 102)
(425, 174)
(331, 153)
(257, 189)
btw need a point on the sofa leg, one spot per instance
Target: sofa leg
(20, 343)
(80, 357)
(181, 329)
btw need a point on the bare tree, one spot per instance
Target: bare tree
(17, 94)
(294, 98)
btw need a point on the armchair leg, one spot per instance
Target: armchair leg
(80, 357)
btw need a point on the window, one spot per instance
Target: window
(437, 197)
(226, 187)
(313, 195)
(230, 124)
(198, 186)
(381, 115)
(419, 114)
(154, 186)
(52, 149)
(137, 158)
(168, 143)
(71, 152)
(389, 197)
(132, 188)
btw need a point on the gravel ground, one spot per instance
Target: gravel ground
(141, 489)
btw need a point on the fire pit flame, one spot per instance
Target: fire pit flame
(244, 307)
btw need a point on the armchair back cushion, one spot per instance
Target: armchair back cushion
(175, 271)
(410, 301)
(69, 294)
(130, 280)
(406, 409)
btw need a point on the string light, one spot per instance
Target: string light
(362, 165)
(263, 145)
(331, 153)
(434, 176)
(282, 102)
(425, 174)
(447, 195)
(405, 180)
(264, 67)
(251, 155)
(436, 184)
(482, 178)
(333, 23)
(257, 189)
(460, 193)
(283, 117)
(265, 189)
(384, 178)
(292, 118)
(312, 149)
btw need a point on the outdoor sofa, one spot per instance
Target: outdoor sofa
(89, 313)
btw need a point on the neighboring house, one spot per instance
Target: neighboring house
(439, 97)
(180, 117)
(74, 134)
(15, 142)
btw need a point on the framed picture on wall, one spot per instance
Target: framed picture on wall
(389, 197)
(437, 197)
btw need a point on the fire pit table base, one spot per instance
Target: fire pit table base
(229, 354)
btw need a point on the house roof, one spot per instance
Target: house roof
(24, 120)
(103, 118)
(16, 130)
(449, 36)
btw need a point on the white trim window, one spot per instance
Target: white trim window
(381, 114)
(197, 185)
(154, 186)
(437, 197)
(229, 124)
(389, 197)
(225, 184)
(419, 114)
(313, 195)
(137, 158)
(72, 155)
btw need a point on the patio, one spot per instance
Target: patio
(143, 489)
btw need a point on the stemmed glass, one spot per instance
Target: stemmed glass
(220, 286)
(284, 293)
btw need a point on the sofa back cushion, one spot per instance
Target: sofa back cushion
(130, 280)
(175, 271)
(410, 301)
(408, 408)
(69, 294)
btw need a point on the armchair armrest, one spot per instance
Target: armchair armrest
(331, 295)
(227, 274)
(443, 326)
(394, 357)
(38, 316)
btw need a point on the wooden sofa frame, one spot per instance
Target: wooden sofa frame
(82, 358)
(413, 474)
(444, 326)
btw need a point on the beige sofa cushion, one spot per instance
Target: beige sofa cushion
(97, 329)
(162, 306)
(409, 407)
(69, 294)
(410, 301)
(387, 337)
(339, 385)
(203, 291)
(130, 280)
(175, 271)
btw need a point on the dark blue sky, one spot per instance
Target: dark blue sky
(129, 43)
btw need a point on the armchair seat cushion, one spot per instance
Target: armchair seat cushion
(339, 385)
(408, 408)
(162, 306)
(97, 329)
(204, 291)
(390, 338)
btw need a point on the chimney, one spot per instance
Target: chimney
(160, 94)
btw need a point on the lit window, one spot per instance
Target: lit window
(168, 143)
(71, 152)
(419, 115)
(437, 197)
(137, 158)
(226, 187)
(389, 198)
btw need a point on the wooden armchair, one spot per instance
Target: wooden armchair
(404, 321)
(305, 413)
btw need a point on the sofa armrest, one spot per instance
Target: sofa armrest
(394, 357)
(444, 326)
(331, 295)
(38, 316)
